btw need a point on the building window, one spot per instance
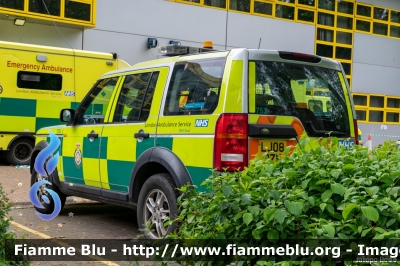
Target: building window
(395, 31)
(287, 1)
(395, 16)
(284, 11)
(380, 28)
(393, 103)
(263, 8)
(306, 2)
(346, 7)
(16, 4)
(327, 4)
(345, 22)
(363, 25)
(377, 108)
(361, 115)
(377, 101)
(39, 81)
(346, 68)
(381, 14)
(364, 11)
(324, 50)
(326, 19)
(325, 35)
(305, 15)
(343, 53)
(215, 3)
(392, 117)
(77, 10)
(375, 116)
(240, 5)
(361, 100)
(49, 7)
(344, 37)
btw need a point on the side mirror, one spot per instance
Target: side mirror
(67, 115)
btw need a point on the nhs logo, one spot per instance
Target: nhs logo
(348, 144)
(201, 123)
(69, 93)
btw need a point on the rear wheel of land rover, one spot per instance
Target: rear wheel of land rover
(157, 204)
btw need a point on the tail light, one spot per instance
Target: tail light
(356, 141)
(231, 142)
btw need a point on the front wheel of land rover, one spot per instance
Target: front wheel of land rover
(157, 204)
(43, 193)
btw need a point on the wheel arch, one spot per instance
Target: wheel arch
(38, 148)
(157, 161)
(21, 136)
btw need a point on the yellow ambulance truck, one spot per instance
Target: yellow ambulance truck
(36, 82)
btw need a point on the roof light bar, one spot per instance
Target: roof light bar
(173, 50)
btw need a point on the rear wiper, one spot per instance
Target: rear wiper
(332, 133)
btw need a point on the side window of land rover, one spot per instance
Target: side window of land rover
(195, 87)
(135, 99)
(94, 107)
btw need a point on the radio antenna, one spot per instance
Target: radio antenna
(259, 43)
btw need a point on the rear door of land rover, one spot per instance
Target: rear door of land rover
(285, 101)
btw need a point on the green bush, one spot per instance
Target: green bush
(5, 234)
(313, 193)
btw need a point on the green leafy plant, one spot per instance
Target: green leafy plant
(314, 193)
(5, 234)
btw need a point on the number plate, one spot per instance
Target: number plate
(275, 148)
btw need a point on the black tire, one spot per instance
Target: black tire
(48, 208)
(20, 151)
(157, 185)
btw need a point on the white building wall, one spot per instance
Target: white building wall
(123, 28)
(376, 64)
(41, 34)
(128, 29)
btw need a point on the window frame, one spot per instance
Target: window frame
(120, 88)
(292, 5)
(60, 19)
(362, 16)
(363, 20)
(345, 1)
(271, 2)
(300, 7)
(385, 109)
(303, 6)
(74, 121)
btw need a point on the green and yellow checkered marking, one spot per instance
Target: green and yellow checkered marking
(27, 115)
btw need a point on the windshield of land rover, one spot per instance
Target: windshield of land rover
(313, 94)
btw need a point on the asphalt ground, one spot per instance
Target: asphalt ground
(79, 219)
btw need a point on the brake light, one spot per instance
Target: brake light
(231, 142)
(356, 141)
(299, 57)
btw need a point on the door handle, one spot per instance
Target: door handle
(141, 134)
(92, 135)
